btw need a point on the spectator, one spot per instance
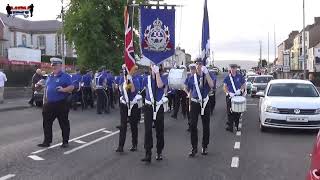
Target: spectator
(35, 79)
(3, 79)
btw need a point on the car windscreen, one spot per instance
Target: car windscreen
(250, 79)
(262, 79)
(292, 90)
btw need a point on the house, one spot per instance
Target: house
(285, 46)
(180, 57)
(43, 35)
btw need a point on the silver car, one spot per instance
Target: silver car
(260, 83)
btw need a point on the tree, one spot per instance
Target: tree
(264, 63)
(96, 28)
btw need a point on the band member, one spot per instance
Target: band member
(234, 85)
(212, 92)
(101, 84)
(180, 98)
(199, 88)
(110, 86)
(155, 85)
(129, 88)
(86, 83)
(170, 96)
(76, 94)
(55, 103)
(192, 68)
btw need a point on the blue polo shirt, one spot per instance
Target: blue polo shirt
(87, 80)
(159, 91)
(204, 90)
(117, 79)
(76, 79)
(136, 83)
(61, 79)
(100, 79)
(110, 79)
(214, 79)
(238, 82)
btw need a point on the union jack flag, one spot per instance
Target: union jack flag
(129, 48)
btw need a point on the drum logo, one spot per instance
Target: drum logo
(157, 38)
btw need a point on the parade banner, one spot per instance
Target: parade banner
(205, 44)
(157, 33)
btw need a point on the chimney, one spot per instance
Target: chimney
(316, 20)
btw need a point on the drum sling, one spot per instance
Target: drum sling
(205, 100)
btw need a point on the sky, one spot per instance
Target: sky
(236, 26)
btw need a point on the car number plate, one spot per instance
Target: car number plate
(297, 119)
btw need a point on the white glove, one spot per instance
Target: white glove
(123, 67)
(204, 70)
(238, 92)
(155, 69)
(129, 77)
(244, 94)
(231, 94)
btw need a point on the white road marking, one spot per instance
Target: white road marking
(238, 133)
(79, 141)
(90, 143)
(36, 158)
(235, 162)
(7, 177)
(88, 134)
(240, 125)
(142, 121)
(237, 145)
(252, 104)
(106, 131)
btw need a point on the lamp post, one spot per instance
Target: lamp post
(304, 44)
(62, 38)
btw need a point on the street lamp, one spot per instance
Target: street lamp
(304, 45)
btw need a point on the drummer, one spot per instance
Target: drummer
(238, 90)
(192, 71)
(199, 88)
(180, 97)
(129, 87)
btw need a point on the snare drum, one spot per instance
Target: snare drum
(165, 104)
(176, 78)
(139, 100)
(239, 104)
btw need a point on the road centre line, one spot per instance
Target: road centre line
(235, 162)
(88, 134)
(79, 141)
(36, 158)
(106, 131)
(90, 143)
(237, 145)
(238, 133)
(7, 176)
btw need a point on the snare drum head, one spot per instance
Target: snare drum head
(138, 96)
(176, 78)
(238, 99)
(165, 99)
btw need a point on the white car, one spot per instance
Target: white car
(289, 103)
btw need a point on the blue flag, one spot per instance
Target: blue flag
(205, 44)
(157, 33)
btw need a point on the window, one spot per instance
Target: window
(58, 44)
(24, 40)
(41, 41)
(293, 90)
(43, 51)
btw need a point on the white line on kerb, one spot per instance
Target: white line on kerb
(106, 131)
(238, 133)
(235, 162)
(240, 125)
(36, 158)
(237, 145)
(79, 141)
(90, 143)
(88, 134)
(7, 176)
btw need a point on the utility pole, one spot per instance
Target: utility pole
(268, 48)
(304, 44)
(275, 42)
(62, 38)
(260, 59)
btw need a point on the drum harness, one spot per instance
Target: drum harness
(125, 99)
(199, 100)
(152, 102)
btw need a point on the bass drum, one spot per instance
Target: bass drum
(176, 78)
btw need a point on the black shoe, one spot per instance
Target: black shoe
(159, 157)
(99, 112)
(31, 104)
(119, 149)
(44, 145)
(229, 129)
(147, 158)
(118, 127)
(64, 145)
(193, 152)
(204, 151)
(188, 129)
(237, 128)
(133, 148)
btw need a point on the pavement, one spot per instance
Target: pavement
(14, 104)
(245, 155)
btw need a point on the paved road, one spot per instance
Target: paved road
(251, 155)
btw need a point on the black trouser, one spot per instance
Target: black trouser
(32, 98)
(101, 100)
(50, 112)
(76, 97)
(159, 125)
(188, 110)
(233, 118)
(87, 96)
(180, 98)
(212, 101)
(110, 95)
(194, 113)
(170, 101)
(143, 94)
(133, 120)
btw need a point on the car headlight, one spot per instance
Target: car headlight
(271, 109)
(317, 111)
